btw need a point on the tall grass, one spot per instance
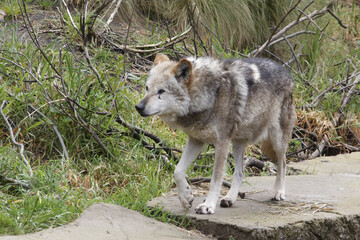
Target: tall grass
(239, 23)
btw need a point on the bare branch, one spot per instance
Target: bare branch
(272, 37)
(337, 18)
(291, 36)
(14, 182)
(114, 12)
(351, 91)
(276, 36)
(155, 47)
(70, 16)
(207, 179)
(293, 53)
(20, 145)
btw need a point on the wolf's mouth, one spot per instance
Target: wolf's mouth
(147, 115)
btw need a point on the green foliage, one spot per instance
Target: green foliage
(10, 7)
(63, 188)
(8, 225)
(45, 4)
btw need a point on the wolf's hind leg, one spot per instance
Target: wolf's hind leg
(280, 179)
(191, 151)
(231, 196)
(279, 141)
(277, 156)
(221, 152)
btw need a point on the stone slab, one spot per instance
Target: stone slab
(111, 222)
(325, 205)
(343, 163)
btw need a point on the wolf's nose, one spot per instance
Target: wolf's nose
(140, 107)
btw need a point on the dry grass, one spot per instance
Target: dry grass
(340, 135)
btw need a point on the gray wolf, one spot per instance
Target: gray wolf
(223, 102)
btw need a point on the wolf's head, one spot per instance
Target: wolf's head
(167, 88)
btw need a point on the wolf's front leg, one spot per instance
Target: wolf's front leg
(192, 150)
(221, 152)
(231, 196)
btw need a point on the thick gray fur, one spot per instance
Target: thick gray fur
(238, 101)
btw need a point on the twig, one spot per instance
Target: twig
(150, 135)
(194, 25)
(291, 36)
(337, 18)
(49, 102)
(207, 179)
(52, 124)
(114, 12)
(70, 16)
(293, 52)
(20, 145)
(155, 47)
(33, 36)
(258, 51)
(315, 24)
(253, 162)
(14, 181)
(265, 45)
(87, 56)
(301, 150)
(150, 147)
(319, 150)
(350, 92)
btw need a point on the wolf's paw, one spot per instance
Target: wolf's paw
(204, 209)
(279, 195)
(226, 202)
(186, 198)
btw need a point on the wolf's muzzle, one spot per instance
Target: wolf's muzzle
(140, 108)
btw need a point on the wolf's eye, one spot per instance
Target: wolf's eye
(161, 91)
(146, 88)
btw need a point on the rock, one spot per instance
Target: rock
(323, 205)
(106, 222)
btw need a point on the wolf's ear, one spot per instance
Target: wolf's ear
(183, 70)
(160, 58)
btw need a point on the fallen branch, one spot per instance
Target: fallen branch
(253, 162)
(150, 135)
(154, 47)
(12, 181)
(207, 179)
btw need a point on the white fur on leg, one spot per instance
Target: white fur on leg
(280, 181)
(221, 151)
(208, 207)
(191, 151)
(233, 192)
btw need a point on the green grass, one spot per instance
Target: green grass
(10, 7)
(9, 225)
(63, 188)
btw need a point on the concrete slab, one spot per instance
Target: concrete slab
(343, 163)
(325, 205)
(106, 221)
